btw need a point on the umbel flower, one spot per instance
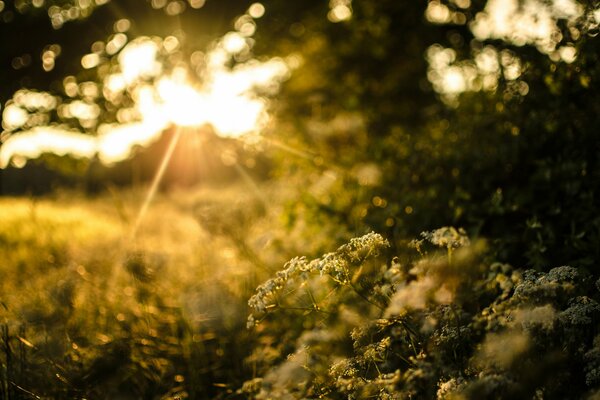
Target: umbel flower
(337, 265)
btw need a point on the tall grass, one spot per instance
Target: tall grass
(88, 313)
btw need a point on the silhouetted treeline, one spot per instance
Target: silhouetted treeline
(198, 158)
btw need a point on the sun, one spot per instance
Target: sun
(224, 99)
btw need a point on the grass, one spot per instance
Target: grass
(89, 312)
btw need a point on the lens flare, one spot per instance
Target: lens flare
(225, 100)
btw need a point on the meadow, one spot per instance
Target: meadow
(203, 303)
(89, 311)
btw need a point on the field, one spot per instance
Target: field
(190, 305)
(86, 308)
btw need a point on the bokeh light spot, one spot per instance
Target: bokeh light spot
(90, 60)
(256, 10)
(197, 3)
(122, 25)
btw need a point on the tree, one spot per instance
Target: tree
(509, 156)
(57, 70)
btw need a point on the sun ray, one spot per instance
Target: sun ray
(155, 182)
(297, 152)
(305, 154)
(251, 183)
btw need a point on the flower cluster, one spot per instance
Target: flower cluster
(443, 328)
(447, 237)
(336, 265)
(539, 287)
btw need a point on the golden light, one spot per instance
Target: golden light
(438, 13)
(568, 54)
(33, 143)
(116, 43)
(534, 22)
(181, 103)
(339, 10)
(256, 10)
(139, 60)
(115, 141)
(225, 100)
(14, 117)
(197, 3)
(233, 42)
(453, 80)
(90, 60)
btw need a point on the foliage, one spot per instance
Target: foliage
(505, 164)
(399, 117)
(431, 327)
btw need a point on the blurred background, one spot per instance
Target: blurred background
(160, 158)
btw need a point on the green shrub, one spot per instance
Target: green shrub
(441, 325)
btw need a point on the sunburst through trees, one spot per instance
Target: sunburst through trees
(339, 199)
